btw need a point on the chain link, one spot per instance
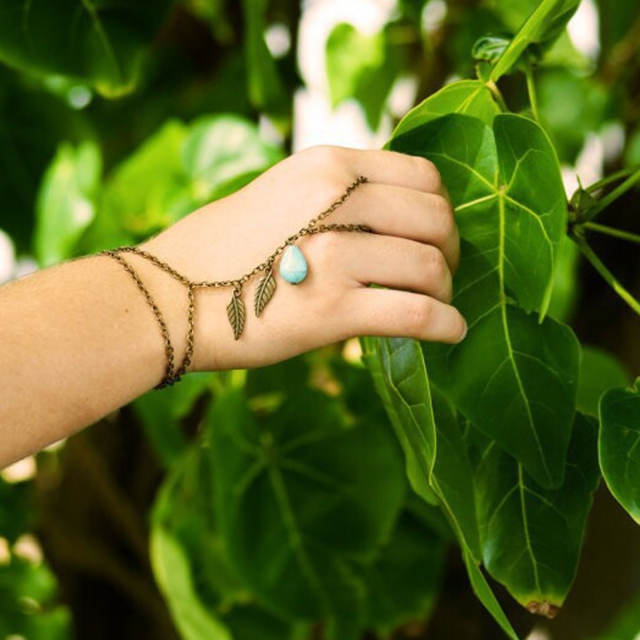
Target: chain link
(172, 374)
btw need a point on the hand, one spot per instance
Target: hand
(413, 251)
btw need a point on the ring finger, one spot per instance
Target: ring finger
(397, 263)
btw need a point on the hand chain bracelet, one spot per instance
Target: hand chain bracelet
(293, 268)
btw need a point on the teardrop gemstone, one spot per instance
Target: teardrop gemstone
(293, 266)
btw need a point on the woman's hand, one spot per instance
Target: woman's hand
(79, 340)
(413, 252)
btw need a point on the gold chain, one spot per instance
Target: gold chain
(235, 309)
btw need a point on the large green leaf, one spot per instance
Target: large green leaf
(531, 536)
(542, 27)
(66, 201)
(618, 446)
(470, 97)
(103, 43)
(513, 377)
(436, 460)
(302, 501)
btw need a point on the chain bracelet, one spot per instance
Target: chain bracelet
(236, 310)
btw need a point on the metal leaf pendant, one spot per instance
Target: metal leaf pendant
(236, 313)
(264, 292)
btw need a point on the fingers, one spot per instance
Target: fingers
(392, 313)
(383, 167)
(396, 262)
(407, 213)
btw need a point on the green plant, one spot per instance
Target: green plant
(304, 502)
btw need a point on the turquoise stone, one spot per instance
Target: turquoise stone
(293, 266)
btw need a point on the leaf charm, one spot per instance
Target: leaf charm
(236, 314)
(264, 292)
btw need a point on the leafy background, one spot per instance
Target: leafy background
(316, 498)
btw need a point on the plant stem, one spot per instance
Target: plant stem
(610, 231)
(617, 175)
(493, 87)
(531, 89)
(613, 195)
(600, 267)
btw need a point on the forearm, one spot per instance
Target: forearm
(78, 341)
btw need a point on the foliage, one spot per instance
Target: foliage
(318, 497)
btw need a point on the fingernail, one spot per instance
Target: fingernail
(464, 333)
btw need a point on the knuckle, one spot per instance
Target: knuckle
(445, 223)
(327, 156)
(434, 262)
(431, 174)
(326, 247)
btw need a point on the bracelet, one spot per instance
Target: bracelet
(293, 269)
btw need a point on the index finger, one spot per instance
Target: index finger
(394, 168)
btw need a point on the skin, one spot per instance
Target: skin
(79, 340)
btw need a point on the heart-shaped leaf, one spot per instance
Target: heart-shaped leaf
(470, 97)
(513, 377)
(531, 536)
(618, 446)
(302, 504)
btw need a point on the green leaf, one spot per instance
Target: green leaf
(618, 446)
(513, 377)
(599, 372)
(489, 48)
(220, 149)
(144, 193)
(301, 504)
(417, 446)
(404, 581)
(361, 67)
(484, 593)
(542, 27)
(101, 43)
(206, 599)
(173, 573)
(66, 201)
(470, 97)
(532, 536)
(434, 450)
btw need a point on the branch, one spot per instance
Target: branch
(610, 231)
(601, 268)
(613, 195)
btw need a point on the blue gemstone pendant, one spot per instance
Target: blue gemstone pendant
(293, 266)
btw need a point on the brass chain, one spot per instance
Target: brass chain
(172, 374)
